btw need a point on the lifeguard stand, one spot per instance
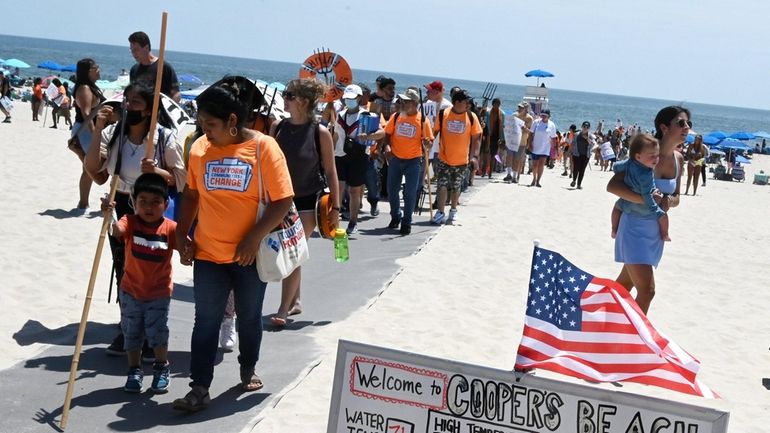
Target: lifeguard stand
(536, 97)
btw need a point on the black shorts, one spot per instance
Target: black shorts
(351, 170)
(306, 203)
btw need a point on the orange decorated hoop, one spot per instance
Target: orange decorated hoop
(330, 68)
(323, 208)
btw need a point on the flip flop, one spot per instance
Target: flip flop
(250, 381)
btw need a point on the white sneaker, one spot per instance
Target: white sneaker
(227, 336)
(438, 217)
(452, 218)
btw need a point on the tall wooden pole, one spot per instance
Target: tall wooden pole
(102, 235)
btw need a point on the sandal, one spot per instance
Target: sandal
(198, 398)
(249, 380)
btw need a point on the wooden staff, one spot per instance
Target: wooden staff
(102, 234)
(426, 154)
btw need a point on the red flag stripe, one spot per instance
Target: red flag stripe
(601, 336)
(598, 347)
(601, 370)
(685, 388)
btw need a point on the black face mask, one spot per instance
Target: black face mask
(134, 117)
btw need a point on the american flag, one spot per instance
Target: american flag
(588, 327)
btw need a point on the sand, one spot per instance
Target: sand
(467, 285)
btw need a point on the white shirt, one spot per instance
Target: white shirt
(432, 113)
(512, 131)
(350, 119)
(543, 133)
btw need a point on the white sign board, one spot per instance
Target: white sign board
(379, 390)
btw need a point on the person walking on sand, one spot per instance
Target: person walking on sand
(351, 152)
(408, 135)
(521, 154)
(88, 96)
(638, 244)
(460, 134)
(227, 238)
(5, 92)
(512, 132)
(146, 67)
(435, 102)
(581, 147)
(146, 287)
(37, 98)
(542, 137)
(495, 122)
(309, 154)
(696, 160)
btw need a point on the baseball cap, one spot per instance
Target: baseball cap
(546, 112)
(435, 85)
(523, 104)
(460, 95)
(410, 95)
(352, 91)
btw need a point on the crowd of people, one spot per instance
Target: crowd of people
(235, 177)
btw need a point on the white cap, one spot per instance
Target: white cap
(352, 91)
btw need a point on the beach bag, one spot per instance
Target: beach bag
(7, 103)
(284, 249)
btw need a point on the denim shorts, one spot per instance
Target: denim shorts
(142, 320)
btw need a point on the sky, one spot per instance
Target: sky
(683, 50)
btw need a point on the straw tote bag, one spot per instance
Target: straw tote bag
(284, 249)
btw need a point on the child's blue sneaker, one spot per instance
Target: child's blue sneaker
(160, 377)
(134, 380)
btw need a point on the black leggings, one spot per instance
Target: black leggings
(703, 173)
(579, 164)
(122, 207)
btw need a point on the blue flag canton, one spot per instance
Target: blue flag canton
(555, 287)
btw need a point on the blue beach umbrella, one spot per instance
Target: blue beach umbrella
(731, 143)
(70, 68)
(50, 65)
(539, 73)
(718, 134)
(15, 63)
(711, 140)
(690, 138)
(741, 135)
(762, 134)
(742, 160)
(190, 79)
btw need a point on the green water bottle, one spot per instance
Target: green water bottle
(341, 245)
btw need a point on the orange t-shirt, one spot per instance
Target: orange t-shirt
(405, 138)
(38, 92)
(228, 188)
(455, 138)
(147, 272)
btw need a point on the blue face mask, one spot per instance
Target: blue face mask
(351, 103)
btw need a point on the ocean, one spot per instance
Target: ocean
(567, 106)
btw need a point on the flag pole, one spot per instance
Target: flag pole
(100, 246)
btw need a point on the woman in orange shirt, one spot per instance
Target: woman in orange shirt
(223, 191)
(37, 98)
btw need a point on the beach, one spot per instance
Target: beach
(460, 297)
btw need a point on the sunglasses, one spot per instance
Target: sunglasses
(288, 96)
(682, 123)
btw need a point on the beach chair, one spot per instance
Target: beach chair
(738, 173)
(760, 178)
(720, 172)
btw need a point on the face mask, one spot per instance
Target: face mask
(351, 103)
(134, 117)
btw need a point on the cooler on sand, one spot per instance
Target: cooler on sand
(738, 173)
(760, 178)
